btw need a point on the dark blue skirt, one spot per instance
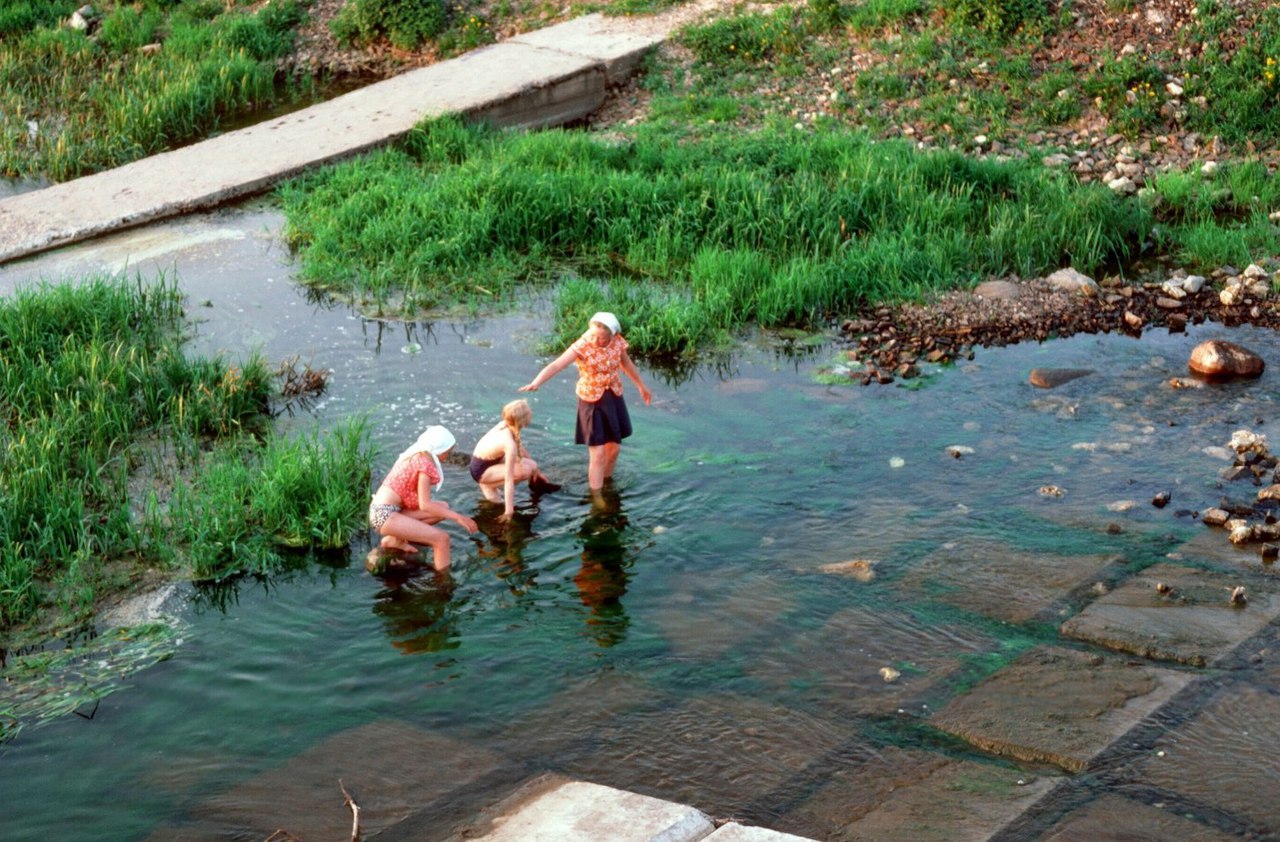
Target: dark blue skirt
(603, 421)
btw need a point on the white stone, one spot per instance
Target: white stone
(1174, 88)
(1070, 280)
(1209, 168)
(577, 811)
(1193, 283)
(1253, 270)
(1123, 185)
(734, 832)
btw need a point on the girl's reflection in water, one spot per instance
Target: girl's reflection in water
(603, 578)
(414, 606)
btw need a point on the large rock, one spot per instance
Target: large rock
(1069, 280)
(1048, 378)
(1219, 358)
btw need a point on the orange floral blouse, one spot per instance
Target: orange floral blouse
(598, 367)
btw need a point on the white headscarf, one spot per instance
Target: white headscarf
(609, 320)
(434, 441)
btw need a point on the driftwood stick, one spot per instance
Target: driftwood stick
(355, 812)
(282, 835)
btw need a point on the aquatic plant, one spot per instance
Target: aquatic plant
(692, 239)
(102, 412)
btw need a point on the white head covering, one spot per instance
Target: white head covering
(434, 441)
(609, 320)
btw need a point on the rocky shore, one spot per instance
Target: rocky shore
(887, 343)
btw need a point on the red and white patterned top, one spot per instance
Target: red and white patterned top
(598, 367)
(403, 478)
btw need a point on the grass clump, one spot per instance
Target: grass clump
(404, 23)
(96, 393)
(72, 104)
(691, 238)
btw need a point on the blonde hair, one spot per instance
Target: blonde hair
(517, 415)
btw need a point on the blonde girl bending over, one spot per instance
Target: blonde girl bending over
(500, 461)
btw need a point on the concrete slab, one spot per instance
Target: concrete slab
(848, 653)
(1194, 623)
(1225, 758)
(1001, 581)
(719, 752)
(1213, 545)
(557, 810)
(963, 800)
(729, 613)
(618, 44)
(388, 767)
(734, 832)
(1114, 819)
(1058, 706)
(551, 87)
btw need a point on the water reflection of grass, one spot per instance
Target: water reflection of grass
(691, 239)
(122, 452)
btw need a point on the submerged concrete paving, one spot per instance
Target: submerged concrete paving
(549, 77)
(1175, 613)
(1060, 706)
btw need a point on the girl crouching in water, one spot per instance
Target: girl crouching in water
(500, 461)
(402, 510)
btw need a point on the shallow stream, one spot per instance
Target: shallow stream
(679, 640)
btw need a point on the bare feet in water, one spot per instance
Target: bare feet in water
(390, 542)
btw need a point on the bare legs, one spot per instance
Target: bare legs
(494, 476)
(416, 526)
(601, 460)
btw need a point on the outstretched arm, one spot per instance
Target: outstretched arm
(439, 508)
(551, 369)
(634, 373)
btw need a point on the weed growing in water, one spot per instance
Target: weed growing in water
(692, 239)
(95, 387)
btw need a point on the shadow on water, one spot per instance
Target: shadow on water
(606, 562)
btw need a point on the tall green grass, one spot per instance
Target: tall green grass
(71, 104)
(96, 393)
(691, 239)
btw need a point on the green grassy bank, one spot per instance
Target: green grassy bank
(121, 454)
(692, 239)
(147, 77)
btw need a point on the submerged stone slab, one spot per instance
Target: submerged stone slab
(554, 810)
(728, 614)
(847, 655)
(388, 767)
(963, 800)
(1226, 758)
(1002, 581)
(718, 752)
(1114, 819)
(1194, 622)
(734, 832)
(1058, 706)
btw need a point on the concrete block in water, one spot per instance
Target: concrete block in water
(558, 810)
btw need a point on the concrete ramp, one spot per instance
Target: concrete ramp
(550, 77)
(552, 808)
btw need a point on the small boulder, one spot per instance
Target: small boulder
(1069, 280)
(1219, 358)
(1048, 378)
(1002, 290)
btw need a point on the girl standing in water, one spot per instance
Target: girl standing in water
(603, 421)
(402, 510)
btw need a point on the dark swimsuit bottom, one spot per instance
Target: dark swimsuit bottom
(479, 466)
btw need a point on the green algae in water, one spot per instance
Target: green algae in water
(43, 686)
